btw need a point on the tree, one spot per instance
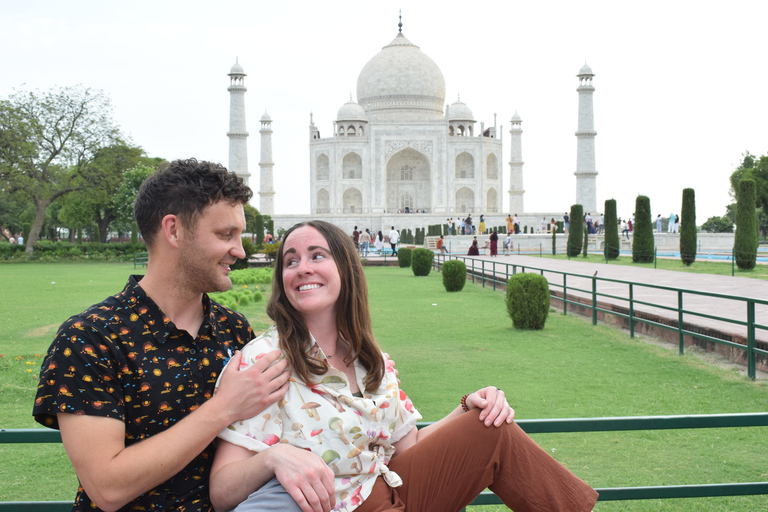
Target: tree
(612, 245)
(642, 241)
(250, 219)
(756, 169)
(717, 225)
(688, 227)
(47, 140)
(576, 230)
(125, 196)
(745, 242)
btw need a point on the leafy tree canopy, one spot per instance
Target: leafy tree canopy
(47, 141)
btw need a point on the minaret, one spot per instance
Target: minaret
(266, 192)
(238, 136)
(586, 174)
(516, 190)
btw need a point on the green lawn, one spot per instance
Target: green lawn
(446, 345)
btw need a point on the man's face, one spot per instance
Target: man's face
(209, 248)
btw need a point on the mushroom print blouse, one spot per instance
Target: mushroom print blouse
(353, 435)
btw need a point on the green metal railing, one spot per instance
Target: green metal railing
(533, 426)
(497, 274)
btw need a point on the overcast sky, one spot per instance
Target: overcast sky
(681, 86)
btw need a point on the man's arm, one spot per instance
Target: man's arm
(113, 474)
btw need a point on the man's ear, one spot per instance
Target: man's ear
(170, 227)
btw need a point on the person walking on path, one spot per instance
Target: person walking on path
(394, 238)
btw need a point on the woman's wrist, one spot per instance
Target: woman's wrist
(464, 405)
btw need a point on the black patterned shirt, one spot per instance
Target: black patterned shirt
(124, 359)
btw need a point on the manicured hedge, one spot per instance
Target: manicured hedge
(528, 300)
(421, 261)
(612, 244)
(688, 227)
(642, 232)
(404, 257)
(454, 275)
(746, 241)
(576, 230)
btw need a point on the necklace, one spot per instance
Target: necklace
(336, 352)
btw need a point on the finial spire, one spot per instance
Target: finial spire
(400, 25)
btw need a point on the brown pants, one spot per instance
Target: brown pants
(449, 468)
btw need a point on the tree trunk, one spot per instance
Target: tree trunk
(103, 222)
(34, 232)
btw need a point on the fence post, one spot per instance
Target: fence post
(751, 339)
(594, 299)
(655, 256)
(565, 294)
(482, 269)
(680, 336)
(631, 311)
(733, 261)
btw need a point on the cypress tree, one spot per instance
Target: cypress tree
(688, 227)
(745, 243)
(612, 244)
(586, 242)
(576, 230)
(642, 241)
(554, 241)
(259, 229)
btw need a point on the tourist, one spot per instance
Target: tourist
(510, 224)
(624, 228)
(379, 242)
(552, 226)
(517, 225)
(543, 225)
(508, 246)
(566, 222)
(394, 237)
(481, 227)
(658, 223)
(494, 243)
(365, 241)
(671, 225)
(356, 238)
(474, 250)
(440, 244)
(130, 381)
(345, 422)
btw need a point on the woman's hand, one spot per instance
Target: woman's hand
(495, 409)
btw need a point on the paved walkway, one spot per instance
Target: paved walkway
(731, 309)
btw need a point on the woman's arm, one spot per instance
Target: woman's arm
(237, 472)
(495, 411)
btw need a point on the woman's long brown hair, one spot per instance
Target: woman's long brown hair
(353, 318)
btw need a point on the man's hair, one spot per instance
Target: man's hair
(185, 188)
(353, 318)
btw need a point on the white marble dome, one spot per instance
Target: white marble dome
(237, 69)
(585, 70)
(459, 111)
(401, 80)
(351, 111)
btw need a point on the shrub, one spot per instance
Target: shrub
(554, 242)
(249, 249)
(454, 275)
(576, 230)
(586, 243)
(270, 249)
(612, 245)
(745, 242)
(642, 229)
(688, 227)
(528, 300)
(421, 261)
(404, 257)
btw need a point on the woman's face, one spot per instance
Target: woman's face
(310, 275)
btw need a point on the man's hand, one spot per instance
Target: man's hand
(306, 477)
(495, 409)
(251, 390)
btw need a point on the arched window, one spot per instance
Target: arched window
(323, 201)
(490, 201)
(465, 200)
(323, 168)
(465, 166)
(492, 167)
(352, 167)
(353, 201)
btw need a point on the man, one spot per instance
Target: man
(130, 381)
(356, 238)
(517, 224)
(566, 223)
(394, 237)
(671, 225)
(439, 244)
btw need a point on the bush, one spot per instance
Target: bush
(270, 250)
(454, 275)
(528, 300)
(585, 247)
(612, 244)
(745, 242)
(688, 227)
(421, 261)
(249, 249)
(642, 241)
(576, 230)
(404, 257)
(554, 242)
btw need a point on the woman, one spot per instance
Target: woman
(494, 243)
(474, 250)
(481, 227)
(344, 435)
(379, 242)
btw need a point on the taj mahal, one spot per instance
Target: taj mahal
(401, 156)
